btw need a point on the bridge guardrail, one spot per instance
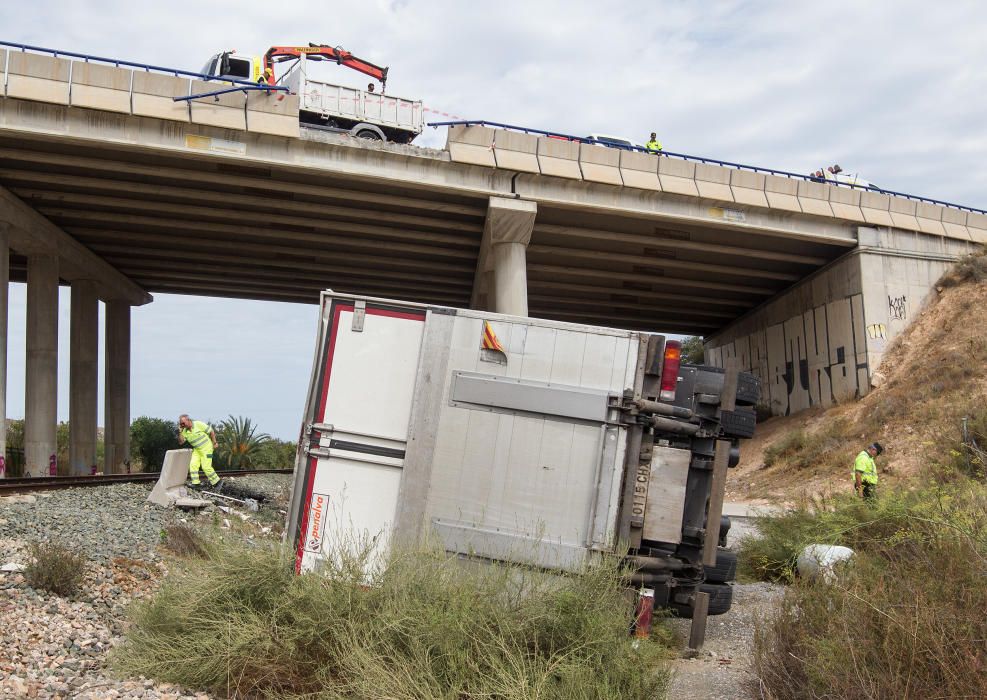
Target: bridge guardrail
(710, 161)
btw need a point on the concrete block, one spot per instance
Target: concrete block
(782, 193)
(845, 203)
(471, 144)
(600, 164)
(876, 208)
(977, 225)
(154, 93)
(517, 151)
(954, 222)
(559, 158)
(226, 112)
(903, 213)
(814, 198)
(748, 188)
(274, 113)
(639, 170)
(171, 484)
(930, 218)
(38, 78)
(96, 86)
(677, 176)
(713, 182)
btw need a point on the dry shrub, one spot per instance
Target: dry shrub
(54, 568)
(905, 620)
(430, 626)
(184, 541)
(827, 446)
(971, 268)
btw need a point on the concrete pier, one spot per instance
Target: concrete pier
(4, 291)
(83, 378)
(116, 424)
(503, 262)
(41, 385)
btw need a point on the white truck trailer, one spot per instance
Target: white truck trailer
(517, 439)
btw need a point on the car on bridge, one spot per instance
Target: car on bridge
(613, 142)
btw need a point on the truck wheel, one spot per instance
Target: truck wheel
(720, 600)
(368, 134)
(739, 423)
(725, 569)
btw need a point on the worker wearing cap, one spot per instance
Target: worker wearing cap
(202, 439)
(654, 145)
(865, 471)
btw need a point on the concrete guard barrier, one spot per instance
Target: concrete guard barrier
(600, 164)
(96, 86)
(876, 208)
(814, 198)
(38, 78)
(903, 212)
(845, 203)
(639, 170)
(273, 113)
(929, 217)
(977, 225)
(782, 193)
(154, 93)
(472, 145)
(559, 158)
(517, 151)
(748, 188)
(954, 222)
(713, 182)
(225, 111)
(677, 176)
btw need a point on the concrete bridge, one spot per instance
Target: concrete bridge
(111, 186)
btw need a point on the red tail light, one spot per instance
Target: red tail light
(670, 370)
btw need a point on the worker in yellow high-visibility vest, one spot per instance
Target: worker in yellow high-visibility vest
(653, 145)
(865, 471)
(202, 439)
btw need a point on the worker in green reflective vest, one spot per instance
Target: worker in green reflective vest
(202, 439)
(654, 145)
(865, 471)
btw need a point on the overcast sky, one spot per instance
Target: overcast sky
(894, 91)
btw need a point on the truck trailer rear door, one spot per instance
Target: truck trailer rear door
(357, 429)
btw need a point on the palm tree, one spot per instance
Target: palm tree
(238, 442)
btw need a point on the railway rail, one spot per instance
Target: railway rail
(45, 483)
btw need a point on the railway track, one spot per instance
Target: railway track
(44, 483)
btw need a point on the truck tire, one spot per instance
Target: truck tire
(748, 386)
(739, 423)
(368, 134)
(720, 600)
(725, 569)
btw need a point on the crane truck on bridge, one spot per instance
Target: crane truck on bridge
(365, 114)
(515, 439)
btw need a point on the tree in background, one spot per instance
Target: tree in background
(275, 454)
(150, 438)
(692, 350)
(239, 443)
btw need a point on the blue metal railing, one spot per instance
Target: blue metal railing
(713, 161)
(127, 64)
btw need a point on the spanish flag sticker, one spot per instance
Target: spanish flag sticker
(490, 341)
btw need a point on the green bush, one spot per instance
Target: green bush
(430, 626)
(55, 568)
(905, 620)
(150, 438)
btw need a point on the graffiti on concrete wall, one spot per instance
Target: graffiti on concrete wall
(897, 311)
(877, 331)
(817, 358)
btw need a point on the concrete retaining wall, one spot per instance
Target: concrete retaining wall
(819, 342)
(744, 190)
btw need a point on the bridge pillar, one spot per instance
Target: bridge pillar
(116, 426)
(41, 381)
(4, 290)
(83, 377)
(501, 283)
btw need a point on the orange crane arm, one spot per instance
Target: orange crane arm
(320, 52)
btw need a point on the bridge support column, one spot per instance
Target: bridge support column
(116, 426)
(41, 381)
(4, 290)
(501, 283)
(83, 378)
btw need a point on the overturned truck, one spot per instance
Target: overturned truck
(519, 439)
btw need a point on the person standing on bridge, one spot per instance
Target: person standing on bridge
(654, 145)
(202, 439)
(865, 472)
